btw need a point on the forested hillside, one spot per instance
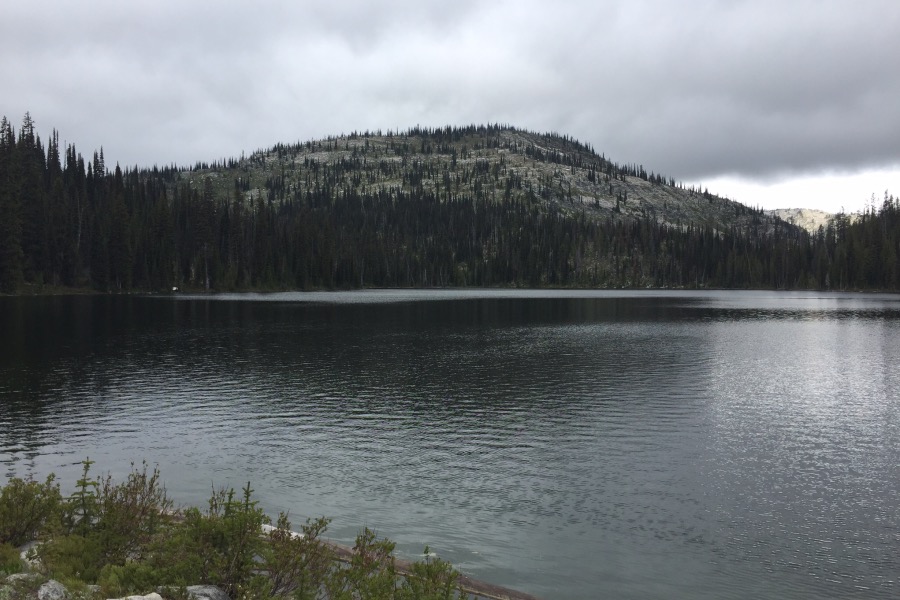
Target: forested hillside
(471, 206)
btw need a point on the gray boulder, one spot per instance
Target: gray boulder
(53, 590)
(153, 596)
(207, 592)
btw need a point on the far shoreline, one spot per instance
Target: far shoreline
(38, 291)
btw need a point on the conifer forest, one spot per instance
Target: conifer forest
(476, 206)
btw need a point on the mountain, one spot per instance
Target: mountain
(456, 206)
(807, 218)
(485, 163)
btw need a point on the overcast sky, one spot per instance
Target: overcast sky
(786, 103)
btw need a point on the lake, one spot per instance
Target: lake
(570, 444)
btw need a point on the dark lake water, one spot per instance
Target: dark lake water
(568, 444)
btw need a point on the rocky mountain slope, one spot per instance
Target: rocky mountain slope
(485, 163)
(807, 218)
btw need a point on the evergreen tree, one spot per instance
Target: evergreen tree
(11, 254)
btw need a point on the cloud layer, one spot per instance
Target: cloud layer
(753, 89)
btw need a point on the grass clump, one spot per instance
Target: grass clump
(9, 560)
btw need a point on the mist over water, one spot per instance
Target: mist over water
(568, 444)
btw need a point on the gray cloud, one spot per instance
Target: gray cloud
(754, 89)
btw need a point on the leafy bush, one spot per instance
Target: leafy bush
(28, 509)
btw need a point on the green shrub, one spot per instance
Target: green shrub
(217, 548)
(130, 515)
(9, 560)
(431, 579)
(132, 578)
(78, 589)
(297, 567)
(105, 523)
(371, 573)
(72, 557)
(28, 509)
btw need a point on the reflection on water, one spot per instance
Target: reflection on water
(570, 444)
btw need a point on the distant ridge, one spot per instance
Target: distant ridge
(809, 219)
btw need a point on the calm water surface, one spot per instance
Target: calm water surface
(568, 444)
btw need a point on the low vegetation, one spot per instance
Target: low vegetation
(125, 538)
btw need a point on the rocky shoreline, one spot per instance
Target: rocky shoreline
(34, 586)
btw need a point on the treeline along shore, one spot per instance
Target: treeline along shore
(481, 206)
